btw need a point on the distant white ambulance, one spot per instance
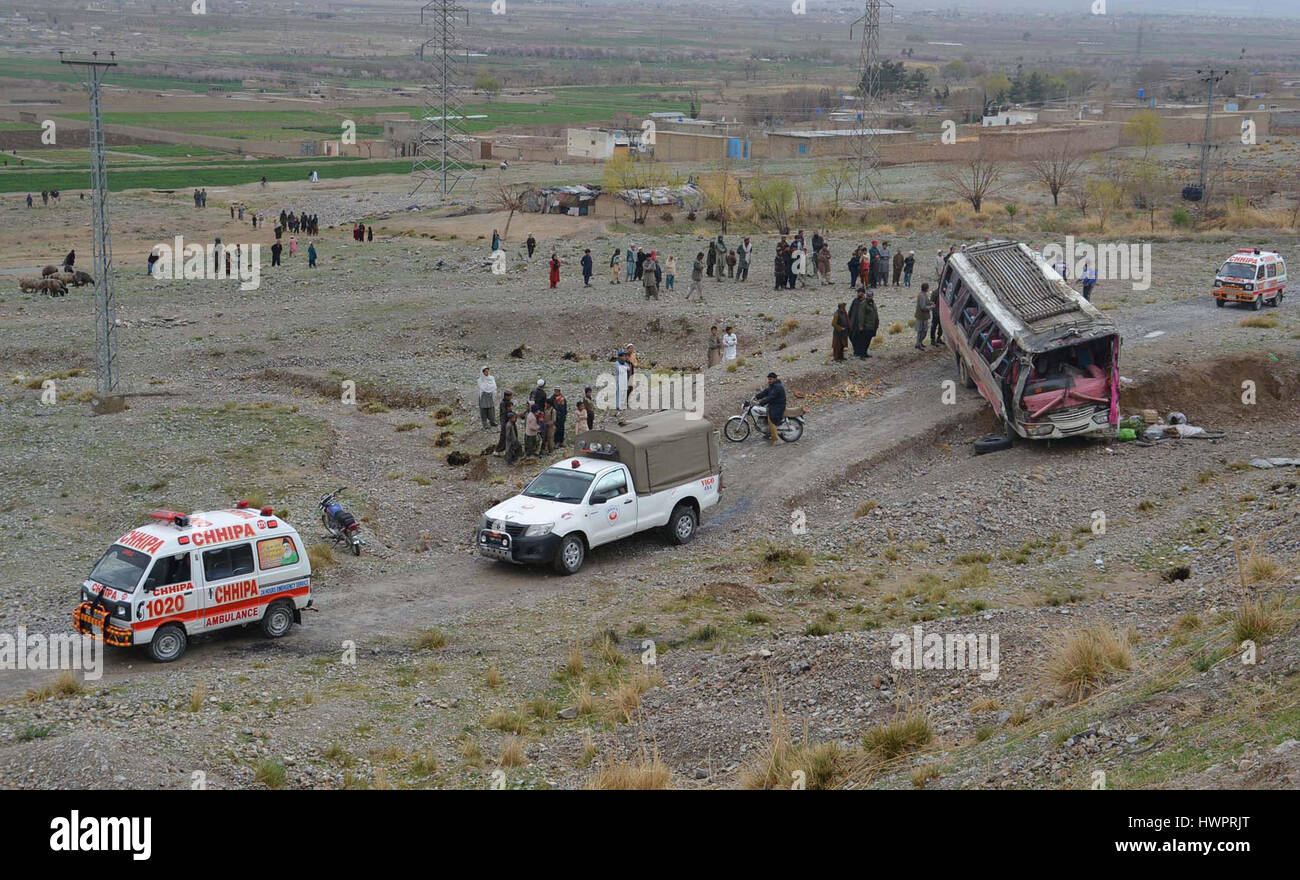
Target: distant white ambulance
(182, 575)
(1251, 276)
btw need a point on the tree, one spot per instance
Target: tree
(510, 197)
(834, 177)
(486, 82)
(637, 177)
(773, 199)
(721, 193)
(1147, 129)
(1106, 198)
(973, 180)
(1056, 168)
(955, 71)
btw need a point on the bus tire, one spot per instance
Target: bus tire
(992, 443)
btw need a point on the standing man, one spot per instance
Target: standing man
(909, 265)
(697, 278)
(715, 346)
(1089, 281)
(616, 267)
(561, 406)
(650, 276)
(586, 267)
(839, 332)
(939, 263)
(713, 259)
(630, 262)
(275, 252)
(729, 340)
(898, 266)
(743, 255)
(311, 255)
(496, 241)
(622, 373)
(487, 393)
(855, 265)
(507, 415)
(531, 244)
(589, 405)
(922, 315)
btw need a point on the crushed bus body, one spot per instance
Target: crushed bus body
(1043, 356)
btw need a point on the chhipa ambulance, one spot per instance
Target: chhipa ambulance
(1251, 276)
(164, 582)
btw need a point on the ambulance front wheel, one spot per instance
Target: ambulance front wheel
(168, 644)
(278, 620)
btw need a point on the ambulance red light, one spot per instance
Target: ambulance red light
(183, 539)
(267, 511)
(270, 523)
(171, 516)
(576, 464)
(241, 504)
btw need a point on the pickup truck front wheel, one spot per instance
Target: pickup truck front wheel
(681, 525)
(570, 554)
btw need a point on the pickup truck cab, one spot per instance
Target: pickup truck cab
(657, 471)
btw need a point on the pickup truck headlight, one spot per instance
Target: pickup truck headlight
(536, 531)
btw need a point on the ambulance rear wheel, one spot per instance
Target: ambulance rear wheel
(168, 644)
(278, 620)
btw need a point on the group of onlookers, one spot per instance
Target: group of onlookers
(544, 418)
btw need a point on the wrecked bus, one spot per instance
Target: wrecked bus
(1041, 354)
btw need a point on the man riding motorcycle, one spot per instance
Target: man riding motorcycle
(773, 397)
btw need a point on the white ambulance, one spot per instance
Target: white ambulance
(1251, 276)
(181, 575)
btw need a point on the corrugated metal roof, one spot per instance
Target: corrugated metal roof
(1018, 281)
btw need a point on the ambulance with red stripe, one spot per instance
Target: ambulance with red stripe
(1252, 276)
(165, 582)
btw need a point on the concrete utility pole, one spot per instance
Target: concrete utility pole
(107, 378)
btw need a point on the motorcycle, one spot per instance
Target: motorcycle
(342, 526)
(754, 417)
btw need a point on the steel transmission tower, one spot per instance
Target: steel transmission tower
(107, 380)
(443, 150)
(1210, 78)
(864, 155)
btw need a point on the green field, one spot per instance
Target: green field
(53, 71)
(191, 176)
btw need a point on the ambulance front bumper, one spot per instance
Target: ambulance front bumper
(88, 618)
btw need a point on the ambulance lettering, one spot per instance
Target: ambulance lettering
(282, 588)
(174, 588)
(223, 534)
(251, 613)
(138, 540)
(236, 592)
(163, 606)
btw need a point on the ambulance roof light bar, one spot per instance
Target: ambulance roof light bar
(179, 520)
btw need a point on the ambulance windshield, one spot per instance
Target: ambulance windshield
(120, 568)
(1237, 270)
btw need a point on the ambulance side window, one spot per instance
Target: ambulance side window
(227, 562)
(169, 570)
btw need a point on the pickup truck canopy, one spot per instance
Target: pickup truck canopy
(662, 449)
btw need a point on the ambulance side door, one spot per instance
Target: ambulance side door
(229, 582)
(169, 591)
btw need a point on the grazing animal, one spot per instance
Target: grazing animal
(54, 287)
(49, 270)
(65, 277)
(79, 278)
(27, 285)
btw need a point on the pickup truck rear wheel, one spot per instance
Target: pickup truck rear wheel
(570, 554)
(168, 644)
(681, 525)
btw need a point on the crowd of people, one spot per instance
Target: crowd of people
(544, 414)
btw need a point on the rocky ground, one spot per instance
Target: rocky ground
(464, 667)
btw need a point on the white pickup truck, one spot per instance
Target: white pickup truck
(656, 471)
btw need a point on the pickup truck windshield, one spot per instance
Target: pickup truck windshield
(120, 568)
(557, 484)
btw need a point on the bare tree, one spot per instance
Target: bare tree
(1056, 169)
(973, 180)
(511, 197)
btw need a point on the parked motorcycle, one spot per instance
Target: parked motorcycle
(342, 526)
(754, 417)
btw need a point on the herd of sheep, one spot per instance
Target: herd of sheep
(54, 281)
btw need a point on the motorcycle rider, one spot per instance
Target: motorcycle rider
(773, 397)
